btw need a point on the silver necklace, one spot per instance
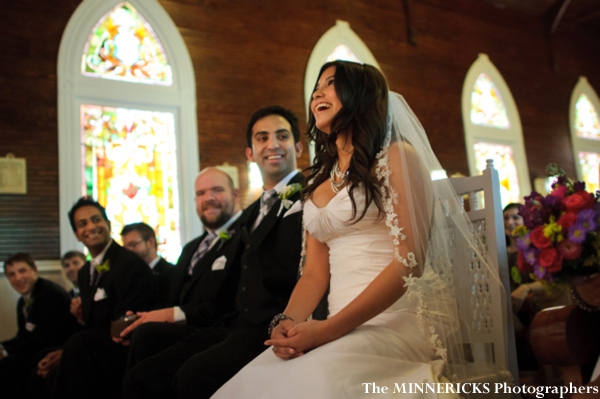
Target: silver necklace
(336, 173)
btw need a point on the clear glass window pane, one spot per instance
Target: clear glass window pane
(130, 167)
(123, 46)
(589, 164)
(586, 119)
(504, 162)
(487, 107)
(342, 52)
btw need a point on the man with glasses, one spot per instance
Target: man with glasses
(141, 239)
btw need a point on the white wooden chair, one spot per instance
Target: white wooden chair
(494, 348)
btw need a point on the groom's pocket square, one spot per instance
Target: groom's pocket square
(219, 263)
(297, 207)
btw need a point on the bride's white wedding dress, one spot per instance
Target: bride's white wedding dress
(388, 350)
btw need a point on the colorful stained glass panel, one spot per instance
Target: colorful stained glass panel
(123, 46)
(586, 119)
(130, 168)
(487, 107)
(342, 52)
(504, 163)
(589, 163)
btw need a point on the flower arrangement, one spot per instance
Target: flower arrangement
(560, 238)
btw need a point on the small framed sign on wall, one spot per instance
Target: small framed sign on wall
(13, 175)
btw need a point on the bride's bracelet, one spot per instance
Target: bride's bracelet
(581, 303)
(276, 321)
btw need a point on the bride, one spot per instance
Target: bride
(375, 234)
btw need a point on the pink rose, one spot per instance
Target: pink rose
(569, 249)
(538, 238)
(560, 192)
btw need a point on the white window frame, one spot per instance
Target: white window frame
(75, 89)
(581, 144)
(340, 33)
(513, 136)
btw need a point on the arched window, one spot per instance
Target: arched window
(127, 120)
(493, 129)
(338, 43)
(585, 133)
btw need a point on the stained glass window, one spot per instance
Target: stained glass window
(589, 162)
(342, 52)
(586, 119)
(123, 46)
(504, 162)
(487, 107)
(130, 167)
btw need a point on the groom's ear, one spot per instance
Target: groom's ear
(249, 154)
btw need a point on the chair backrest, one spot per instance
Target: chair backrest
(494, 341)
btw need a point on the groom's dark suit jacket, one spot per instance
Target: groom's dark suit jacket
(270, 257)
(128, 285)
(207, 295)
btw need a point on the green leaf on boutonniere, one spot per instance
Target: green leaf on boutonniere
(29, 302)
(287, 192)
(103, 268)
(224, 236)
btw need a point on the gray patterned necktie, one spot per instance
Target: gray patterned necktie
(267, 199)
(201, 251)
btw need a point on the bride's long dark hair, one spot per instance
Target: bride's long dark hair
(363, 92)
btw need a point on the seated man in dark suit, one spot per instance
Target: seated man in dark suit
(200, 289)
(71, 262)
(268, 247)
(43, 321)
(141, 239)
(114, 281)
(203, 284)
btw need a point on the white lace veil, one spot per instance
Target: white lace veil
(427, 221)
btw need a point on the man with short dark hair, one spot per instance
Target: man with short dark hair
(71, 262)
(141, 239)
(114, 281)
(268, 250)
(43, 321)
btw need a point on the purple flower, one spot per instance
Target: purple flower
(524, 242)
(540, 272)
(579, 186)
(587, 218)
(530, 256)
(532, 211)
(561, 180)
(577, 233)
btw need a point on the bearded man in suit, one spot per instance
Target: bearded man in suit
(267, 248)
(204, 281)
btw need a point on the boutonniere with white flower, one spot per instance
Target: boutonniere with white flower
(287, 192)
(103, 268)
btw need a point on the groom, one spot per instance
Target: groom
(268, 254)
